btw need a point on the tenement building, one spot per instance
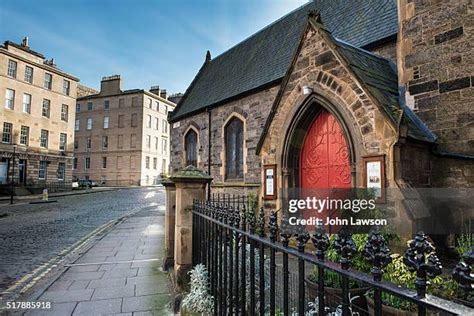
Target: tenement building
(336, 94)
(35, 117)
(122, 136)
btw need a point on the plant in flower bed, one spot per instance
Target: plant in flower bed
(465, 240)
(440, 286)
(198, 300)
(397, 273)
(333, 281)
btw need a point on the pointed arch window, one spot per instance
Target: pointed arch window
(190, 144)
(234, 143)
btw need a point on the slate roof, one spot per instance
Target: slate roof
(378, 74)
(380, 78)
(264, 57)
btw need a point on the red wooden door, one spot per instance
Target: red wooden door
(324, 159)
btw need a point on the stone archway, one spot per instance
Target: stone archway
(302, 119)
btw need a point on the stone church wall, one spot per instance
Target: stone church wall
(436, 65)
(387, 50)
(253, 109)
(318, 68)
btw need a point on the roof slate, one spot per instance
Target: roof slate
(380, 78)
(377, 74)
(265, 57)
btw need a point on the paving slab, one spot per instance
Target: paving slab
(149, 271)
(151, 288)
(102, 307)
(82, 275)
(145, 303)
(119, 292)
(130, 283)
(87, 268)
(120, 273)
(107, 283)
(57, 309)
(79, 285)
(67, 296)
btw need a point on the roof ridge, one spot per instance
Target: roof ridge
(262, 59)
(191, 85)
(310, 2)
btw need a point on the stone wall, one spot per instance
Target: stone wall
(84, 91)
(436, 66)
(453, 173)
(253, 109)
(422, 168)
(319, 67)
(416, 165)
(387, 50)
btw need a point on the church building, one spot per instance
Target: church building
(331, 90)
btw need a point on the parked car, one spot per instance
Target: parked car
(85, 183)
(75, 184)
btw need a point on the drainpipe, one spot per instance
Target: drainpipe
(209, 146)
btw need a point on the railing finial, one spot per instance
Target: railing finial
(321, 241)
(346, 248)
(285, 235)
(243, 218)
(302, 239)
(273, 225)
(377, 253)
(421, 257)
(261, 223)
(252, 221)
(463, 271)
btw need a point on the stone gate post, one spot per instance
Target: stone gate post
(190, 184)
(170, 213)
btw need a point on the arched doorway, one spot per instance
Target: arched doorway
(324, 158)
(298, 128)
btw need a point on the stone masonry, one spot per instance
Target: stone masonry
(253, 110)
(436, 66)
(319, 68)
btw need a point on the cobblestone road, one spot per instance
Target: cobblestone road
(32, 234)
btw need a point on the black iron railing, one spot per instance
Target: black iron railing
(232, 200)
(233, 244)
(52, 186)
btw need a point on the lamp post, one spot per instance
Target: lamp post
(13, 174)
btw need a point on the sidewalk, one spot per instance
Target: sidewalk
(58, 194)
(119, 275)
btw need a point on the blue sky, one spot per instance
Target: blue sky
(147, 42)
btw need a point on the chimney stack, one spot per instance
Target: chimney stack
(49, 62)
(24, 42)
(175, 98)
(155, 90)
(111, 85)
(163, 94)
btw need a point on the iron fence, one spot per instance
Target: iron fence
(239, 248)
(232, 200)
(52, 186)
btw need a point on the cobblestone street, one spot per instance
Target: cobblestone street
(32, 234)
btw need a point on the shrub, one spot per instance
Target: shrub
(199, 300)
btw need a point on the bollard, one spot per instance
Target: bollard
(45, 195)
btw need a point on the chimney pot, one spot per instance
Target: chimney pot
(155, 90)
(24, 42)
(163, 94)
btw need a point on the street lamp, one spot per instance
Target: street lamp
(13, 175)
